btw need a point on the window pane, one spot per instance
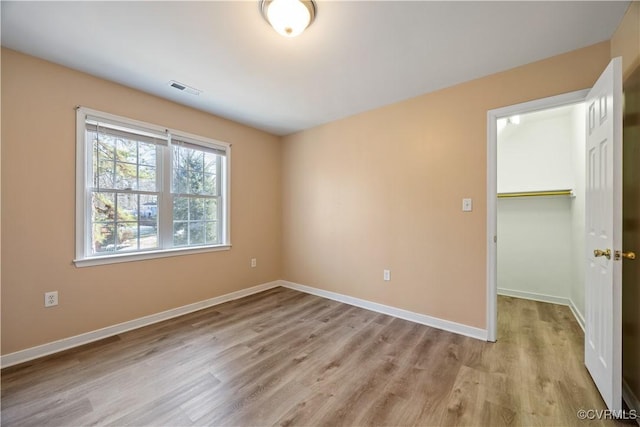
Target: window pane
(147, 154)
(196, 209)
(103, 147)
(180, 233)
(103, 237)
(180, 209)
(103, 177)
(210, 182)
(124, 172)
(127, 238)
(210, 163)
(127, 207)
(196, 233)
(194, 159)
(187, 158)
(149, 209)
(196, 182)
(195, 171)
(178, 158)
(126, 150)
(180, 181)
(103, 207)
(212, 232)
(211, 209)
(147, 178)
(126, 176)
(148, 236)
(132, 226)
(102, 160)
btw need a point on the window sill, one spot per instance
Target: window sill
(141, 256)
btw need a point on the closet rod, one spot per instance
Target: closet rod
(536, 193)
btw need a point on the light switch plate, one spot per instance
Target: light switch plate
(467, 205)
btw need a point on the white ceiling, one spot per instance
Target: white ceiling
(356, 56)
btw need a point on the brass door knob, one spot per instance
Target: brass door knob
(599, 252)
(627, 255)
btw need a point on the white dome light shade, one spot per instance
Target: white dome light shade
(288, 17)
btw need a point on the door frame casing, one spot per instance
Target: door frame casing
(492, 191)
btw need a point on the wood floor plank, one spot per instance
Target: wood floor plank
(287, 358)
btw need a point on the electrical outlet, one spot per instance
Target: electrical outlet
(254, 263)
(50, 299)
(387, 275)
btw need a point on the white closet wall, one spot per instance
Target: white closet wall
(534, 248)
(537, 153)
(537, 236)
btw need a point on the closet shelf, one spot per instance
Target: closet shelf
(568, 193)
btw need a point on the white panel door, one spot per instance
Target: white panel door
(603, 293)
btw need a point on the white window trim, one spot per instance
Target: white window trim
(81, 257)
(140, 256)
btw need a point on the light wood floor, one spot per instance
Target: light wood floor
(283, 357)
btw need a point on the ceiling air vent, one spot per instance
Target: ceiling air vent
(183, 87)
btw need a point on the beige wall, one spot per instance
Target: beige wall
(38, 202)
(626, 40)
(383, 189)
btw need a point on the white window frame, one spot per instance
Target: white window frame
(83, 257)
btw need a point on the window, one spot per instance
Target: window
(145, 191)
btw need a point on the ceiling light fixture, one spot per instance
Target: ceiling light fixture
(288, 17)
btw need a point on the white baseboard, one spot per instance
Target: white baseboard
(423, 319)
(545, 298)
(534, 296)
(631, 399)
(78, 340)
(576, 313)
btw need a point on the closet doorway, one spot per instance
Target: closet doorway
(541, 206)
(543, 179)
